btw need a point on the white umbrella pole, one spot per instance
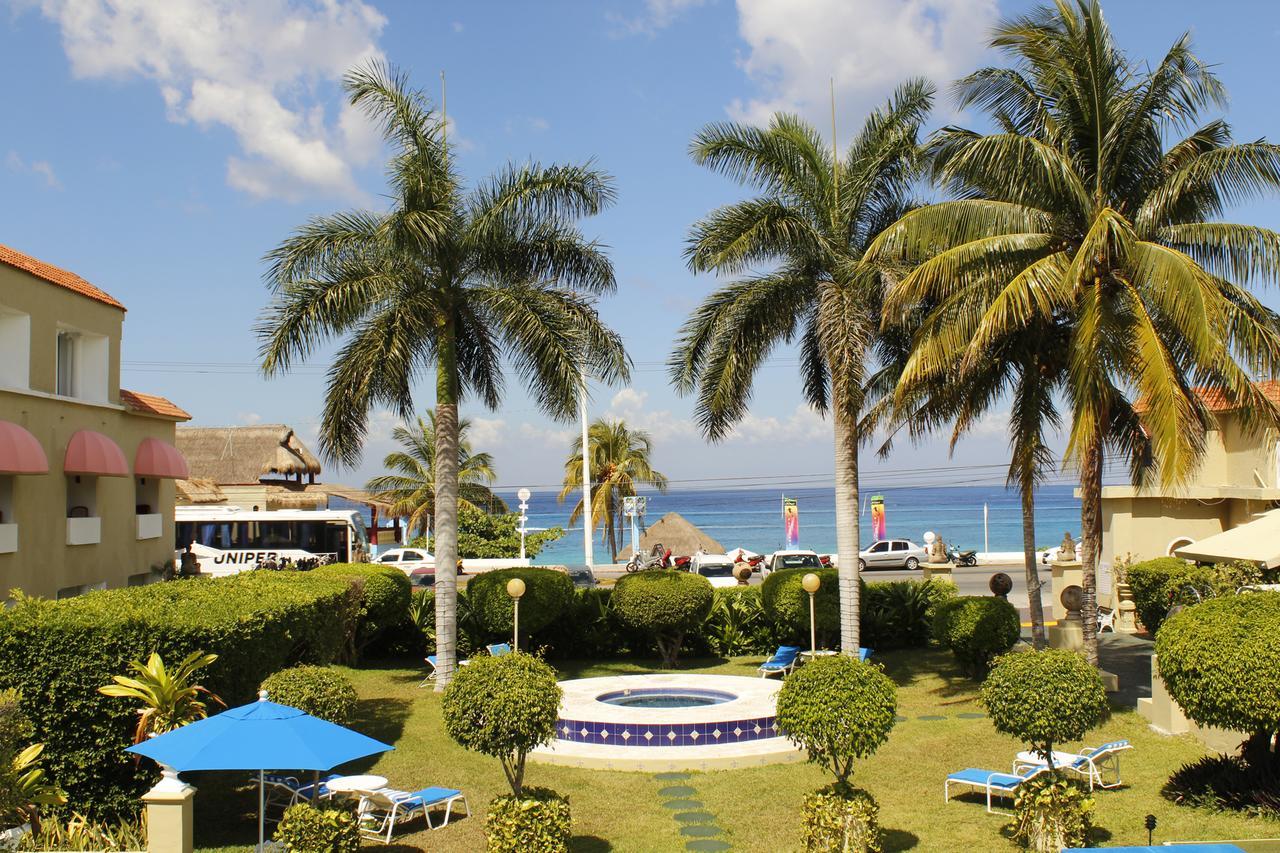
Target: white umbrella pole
(262, 808)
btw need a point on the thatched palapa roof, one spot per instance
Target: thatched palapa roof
(244, 455)
(199, 491)
(674, 531)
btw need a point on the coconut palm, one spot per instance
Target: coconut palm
(809, 227)
(447, 283)
(411, 491)
(1083, 210)
(619, 458)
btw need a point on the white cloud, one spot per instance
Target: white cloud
(261, 68)
(557, 439)
(249, 418)
(487, 433)
(14, 163)
(656, 15)
(868, 46)
(803, 424)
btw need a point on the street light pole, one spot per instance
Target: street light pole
(515, 589)
(523, 495)
(587, 526)
(811, 582)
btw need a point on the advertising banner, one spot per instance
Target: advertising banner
(791, 521)
(877, 517)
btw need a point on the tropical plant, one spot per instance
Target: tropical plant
(169, 698)
(411, 490)
(449, 281)
(619, 458)
(1076, 216)
(30, 790)
(812, 223)
(80, 833)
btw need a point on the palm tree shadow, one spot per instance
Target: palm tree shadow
(589, 844)
(382, 719)
(898, 839)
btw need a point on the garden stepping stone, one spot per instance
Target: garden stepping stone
(682, 805)
(677, 791)
(695, 823)
(931, 717)
(671, 777)
(695, 817)
(707, 844)
(971, 715)
(701, 830)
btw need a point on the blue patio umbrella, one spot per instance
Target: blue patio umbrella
(259, 736)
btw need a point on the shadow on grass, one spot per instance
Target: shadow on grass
(909, 666)
(589, 844)
(578, 668)
(898, 839)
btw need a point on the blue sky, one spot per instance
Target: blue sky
(162, 149)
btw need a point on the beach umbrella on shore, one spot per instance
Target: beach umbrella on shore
(259, 736)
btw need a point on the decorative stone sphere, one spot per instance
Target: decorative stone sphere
(929, 536)
(1000, 584)
(811, 582)
(743, 573)
(1072, 597)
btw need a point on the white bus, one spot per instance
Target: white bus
(226, 540)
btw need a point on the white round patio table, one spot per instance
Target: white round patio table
(1035, 759)
(807, 655)
(348, 784)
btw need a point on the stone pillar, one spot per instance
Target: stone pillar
(941, 571)
(1160, 710)
(1126, 611)
(1065, 573)
(170, 814)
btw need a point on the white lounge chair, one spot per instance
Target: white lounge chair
(381, 810)
(994, 783)
(431, 669)
(1089, 763)
(283, 791)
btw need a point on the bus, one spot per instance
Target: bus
(226, 540)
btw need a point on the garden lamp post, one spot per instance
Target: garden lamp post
(523, 495)
(811, 582)
(515, 589)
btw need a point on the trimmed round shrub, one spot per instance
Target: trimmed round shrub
(665, 604)
(977, 629)
(1221, 663)
(321, 691)
(547, 593)
(787, 603)
(1044, 697)
(308, 828)
(1159, 584)
(843, 818)
(503, 707)
(537, 821)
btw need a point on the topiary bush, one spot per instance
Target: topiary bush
(321, 691)
(1220, 661)
(977, 629)
(310, 828)
(838, 709)
(1159, 584)
(58, 653)
(665, 604)
(547, 593)
(899, 614)
(787, 604)
(537, 821)
(1046, 698)
(384, 600)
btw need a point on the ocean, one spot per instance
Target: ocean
(752, 518)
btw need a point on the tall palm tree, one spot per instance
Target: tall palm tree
(810, 226)
(619, 462)
(1084, 210)
(411, 491)
(446, 282)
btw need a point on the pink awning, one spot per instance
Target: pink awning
(90, 452)
(156, 458)
(20, 453)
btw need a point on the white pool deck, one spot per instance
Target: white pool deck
(754, 698)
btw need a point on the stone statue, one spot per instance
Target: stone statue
(190, 564)
(938, 551)
(1067, 550)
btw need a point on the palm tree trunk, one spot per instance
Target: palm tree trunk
(1091, 544)
(847, 522)
(446, 514)
(1029, 562)
(613, 531)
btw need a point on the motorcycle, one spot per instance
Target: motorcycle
(658, 558)
(962, 558)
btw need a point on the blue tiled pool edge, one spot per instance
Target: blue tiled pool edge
(668, 734)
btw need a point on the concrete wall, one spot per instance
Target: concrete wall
(1144, 527)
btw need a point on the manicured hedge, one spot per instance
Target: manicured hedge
(977, 629)
(58, 653)
(321, 691)
(666, 604)
(787, 603)
(547, 593)
(1158, 584)
(384, 600)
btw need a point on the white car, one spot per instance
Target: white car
(892, 554)
(790, 560)
(408, 560)
(717, 568)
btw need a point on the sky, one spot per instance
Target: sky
(160, 148)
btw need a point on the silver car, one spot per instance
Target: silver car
(891, 554)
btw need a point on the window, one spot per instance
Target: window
(389, 558)
(82, 496)
(899, 546)
(67, 364)
(146, 495)
(6, 499)
(879, 547)
(411, 555)
(15, 349)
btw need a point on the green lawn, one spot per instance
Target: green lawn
(758, 809)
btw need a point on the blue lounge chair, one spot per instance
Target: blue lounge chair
(864, 654)
(994, 783)
(431, 669)
(1090, 763)
(783, 661)
(285, 791)
(500, 649)
(381, 810)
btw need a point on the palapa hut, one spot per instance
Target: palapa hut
(676, 532)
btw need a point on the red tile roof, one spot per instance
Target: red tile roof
(150, 404)
(1216, 401)
(55, 275)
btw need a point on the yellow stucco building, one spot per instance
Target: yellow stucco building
(86, 468)
(1238, 479)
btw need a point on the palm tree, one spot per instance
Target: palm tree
(811, 225)
(619, 462)
(449, 283)
(1078, 213)
(412, 490)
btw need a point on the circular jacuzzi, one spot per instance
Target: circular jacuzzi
(668, 721)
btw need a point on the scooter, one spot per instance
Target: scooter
(963, 558)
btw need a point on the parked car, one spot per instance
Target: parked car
(717, 568)
(408, 560)
(892, 554)
(581, 576)
(790, 560)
